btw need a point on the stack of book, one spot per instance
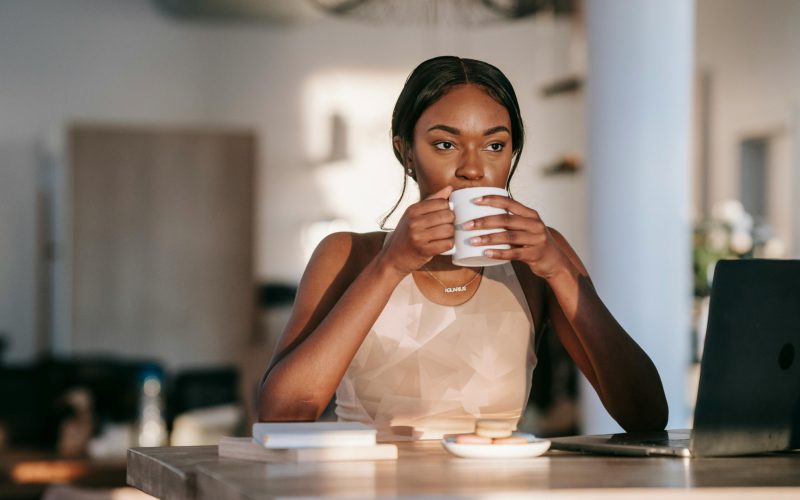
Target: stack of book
(308, 442)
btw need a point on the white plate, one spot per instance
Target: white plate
(534, 448)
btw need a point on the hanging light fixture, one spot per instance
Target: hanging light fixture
(442, 12)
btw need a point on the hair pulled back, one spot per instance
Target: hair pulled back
(434, 78)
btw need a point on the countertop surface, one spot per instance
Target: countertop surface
(426, 469)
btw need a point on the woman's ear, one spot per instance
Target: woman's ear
(399, 149)
(403, 153)
(402, 150)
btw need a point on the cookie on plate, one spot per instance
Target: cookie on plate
(472, 439)
(510, 440)
(493, 428)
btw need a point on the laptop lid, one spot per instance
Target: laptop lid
(748, 400)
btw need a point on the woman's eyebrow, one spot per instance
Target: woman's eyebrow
(455, 131)
(494, 130)
(446, 128)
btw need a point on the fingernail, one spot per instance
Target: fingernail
(468, 225)
(489, 253)
(475, 240)
(479, 199)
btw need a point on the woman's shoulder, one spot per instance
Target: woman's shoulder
(369, 242)
(348, 250)
(347, 243)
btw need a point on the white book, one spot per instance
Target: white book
(313, 434)
(248, 449)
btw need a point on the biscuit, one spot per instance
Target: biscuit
(493, 428)
(472, 439)
(512, 440)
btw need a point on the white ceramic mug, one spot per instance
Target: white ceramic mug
(463, 252)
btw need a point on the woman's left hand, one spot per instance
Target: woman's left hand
(530, 239)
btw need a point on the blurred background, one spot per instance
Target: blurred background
(167, 167)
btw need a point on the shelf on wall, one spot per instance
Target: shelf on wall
(571, 84)
(568, 164)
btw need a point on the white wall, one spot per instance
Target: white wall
(121, 61)
(752, 53)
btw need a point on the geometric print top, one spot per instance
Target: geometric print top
(425, 370)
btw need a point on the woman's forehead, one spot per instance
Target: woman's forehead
(465, 106)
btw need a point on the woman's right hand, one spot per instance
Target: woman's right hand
(424, 231)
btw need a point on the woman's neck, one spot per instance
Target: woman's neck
(444, 263)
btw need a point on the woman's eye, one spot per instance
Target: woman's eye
(444, 145)
(495, 146)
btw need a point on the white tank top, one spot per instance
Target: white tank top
(425, 370)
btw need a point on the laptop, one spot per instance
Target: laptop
(748, 400)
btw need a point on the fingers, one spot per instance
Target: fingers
(443, 193)
(440, 241)
(433, 241)
(441, 246)
(428, 206)
(510, 254)
(518, 216)
(436, 201)
(523, 227)
(513, 238)
(429, 227)
(507, 221)
(421, 221)
(434, 233)
(506, 203)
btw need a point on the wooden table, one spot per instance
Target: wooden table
(426, 469)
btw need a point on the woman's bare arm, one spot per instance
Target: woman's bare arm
(343, 291)
(336, 305)
(620, 371)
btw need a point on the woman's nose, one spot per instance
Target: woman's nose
(470, 166)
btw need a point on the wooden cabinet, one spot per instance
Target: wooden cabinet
(159, 239)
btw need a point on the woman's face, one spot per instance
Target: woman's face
(462, 140)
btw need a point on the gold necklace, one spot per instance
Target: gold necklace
(454, 289)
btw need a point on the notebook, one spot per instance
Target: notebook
(313, 434)
(748, 400)
(247, 449)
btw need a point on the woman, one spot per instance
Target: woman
(373, 322)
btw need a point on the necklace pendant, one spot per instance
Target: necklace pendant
(455, 289)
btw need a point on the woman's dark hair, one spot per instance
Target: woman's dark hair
(434, 78)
